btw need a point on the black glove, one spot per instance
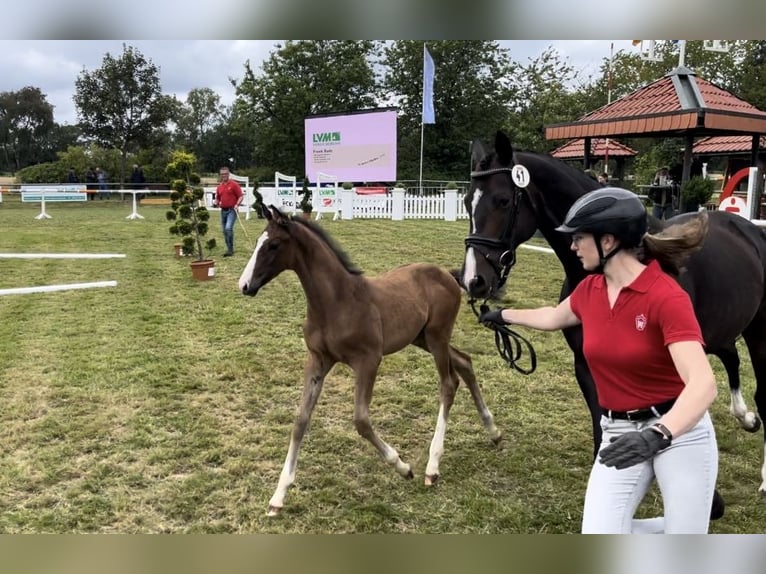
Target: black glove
(633, 447)
(490, 318)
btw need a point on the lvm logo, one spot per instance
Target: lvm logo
(326, 137)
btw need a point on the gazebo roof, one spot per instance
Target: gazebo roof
(673, 106)
(575, 149)
(718, 145)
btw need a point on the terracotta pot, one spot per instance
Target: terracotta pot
(203, 270)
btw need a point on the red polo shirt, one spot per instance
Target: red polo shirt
(626, 347)
(227, 194)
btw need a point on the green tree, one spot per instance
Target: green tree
(26, 128)
(750, 76)
(197, 118)
(300, 79)
(541, 95)
(120, 105)
(471, 95)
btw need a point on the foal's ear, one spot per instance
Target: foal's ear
(503, 149)
(278, 216)
(264, 211)
(478, 152)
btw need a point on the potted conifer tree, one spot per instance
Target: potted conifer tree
(305, 203)
(189, 214)
(696, 192)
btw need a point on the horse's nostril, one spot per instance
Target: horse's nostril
(477, 286)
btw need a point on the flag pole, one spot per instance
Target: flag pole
(420, 182)
(422, 122)
(428, 104)
(608, 101)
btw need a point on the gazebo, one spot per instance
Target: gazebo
(600, 147)
(677, 105)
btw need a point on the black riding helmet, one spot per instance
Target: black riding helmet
(608, 210)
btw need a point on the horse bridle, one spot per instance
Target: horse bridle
(509, 343)
(508, 258)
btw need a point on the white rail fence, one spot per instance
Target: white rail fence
(396, 204)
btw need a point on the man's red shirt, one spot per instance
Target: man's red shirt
(227, 194)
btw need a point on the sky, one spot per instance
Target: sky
(54, 65)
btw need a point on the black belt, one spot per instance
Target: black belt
(640, 414)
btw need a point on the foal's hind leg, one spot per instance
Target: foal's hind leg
(366, 371)
(730, 360)
(462, 363)
(313, 378)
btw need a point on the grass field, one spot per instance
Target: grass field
(165, 405)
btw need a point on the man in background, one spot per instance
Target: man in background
(228, 196)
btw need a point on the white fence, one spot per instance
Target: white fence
(395, 204)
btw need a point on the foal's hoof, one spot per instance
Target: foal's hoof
(431, 479)
(497, 439)
(410, 475)
(274, 510)
(756, 425)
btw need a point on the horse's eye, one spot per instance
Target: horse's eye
(503, 201)
(273, 245)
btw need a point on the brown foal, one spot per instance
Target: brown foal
(356, 320)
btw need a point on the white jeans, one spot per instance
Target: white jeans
(686, 473)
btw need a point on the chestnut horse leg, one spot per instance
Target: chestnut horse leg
(366, 371)
(462, 363)
(448, 383)
(314, 372)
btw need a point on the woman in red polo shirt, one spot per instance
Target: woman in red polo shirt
(645, 351)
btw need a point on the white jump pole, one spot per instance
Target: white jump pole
(62, 255)
(537, 248)
(51, 288)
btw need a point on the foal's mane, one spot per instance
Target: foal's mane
(325, 237)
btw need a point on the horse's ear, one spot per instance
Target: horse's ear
(503, 149)
(264, 211)
(278, 216)
(478, 152)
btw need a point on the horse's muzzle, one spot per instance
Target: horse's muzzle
(250, 290)
(478, 288)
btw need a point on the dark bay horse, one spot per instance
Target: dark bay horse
(356, 320)
(726, 278)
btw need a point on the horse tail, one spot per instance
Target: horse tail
(672, 245)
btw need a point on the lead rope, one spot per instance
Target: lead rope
(509, 343)
(247, 237)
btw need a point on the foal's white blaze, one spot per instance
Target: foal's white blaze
(470, 256)
(247, 274)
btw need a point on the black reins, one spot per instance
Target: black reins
(509, 343)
